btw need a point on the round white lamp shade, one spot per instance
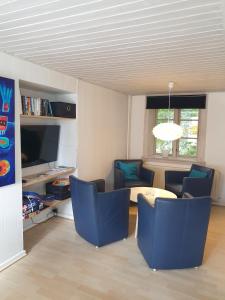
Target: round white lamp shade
(167, 131)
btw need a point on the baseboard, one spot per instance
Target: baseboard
(65, 216)
(217, 203)
(12, 260)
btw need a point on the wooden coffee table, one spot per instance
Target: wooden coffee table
(150, 194)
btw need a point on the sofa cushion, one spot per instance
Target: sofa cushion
(175, 188)
(129, 170)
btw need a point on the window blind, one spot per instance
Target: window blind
(176, 101)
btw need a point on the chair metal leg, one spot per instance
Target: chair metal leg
(136, 227)
(154, 270)
(196, 268)
(96, 247)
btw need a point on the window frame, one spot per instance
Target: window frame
(151, 148)
(197, 138)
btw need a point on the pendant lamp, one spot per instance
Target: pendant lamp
(169, 131)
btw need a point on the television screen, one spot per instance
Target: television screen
(39, 144)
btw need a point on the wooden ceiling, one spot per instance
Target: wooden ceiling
(134, 46)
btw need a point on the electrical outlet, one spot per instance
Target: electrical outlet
(55, 211)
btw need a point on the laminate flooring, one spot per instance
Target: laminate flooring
(62, 266)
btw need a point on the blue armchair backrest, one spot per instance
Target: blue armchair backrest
(208, 171)
(84, 206)
(100, 218)
(173, 233)
(186, 218)
(210, 174)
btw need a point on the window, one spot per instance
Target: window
(188, 145)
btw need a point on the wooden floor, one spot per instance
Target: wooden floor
(60, 265)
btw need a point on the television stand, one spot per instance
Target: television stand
(45, 176)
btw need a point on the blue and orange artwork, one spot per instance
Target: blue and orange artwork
(7, 131)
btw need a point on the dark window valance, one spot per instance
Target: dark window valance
(176, 101)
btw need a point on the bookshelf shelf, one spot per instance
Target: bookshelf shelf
(42, 177)
(44, 117)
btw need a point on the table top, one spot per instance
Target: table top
(150, 194)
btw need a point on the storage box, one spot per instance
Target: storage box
(60, 192)
(63, 109)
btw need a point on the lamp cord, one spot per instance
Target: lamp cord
(169, 105)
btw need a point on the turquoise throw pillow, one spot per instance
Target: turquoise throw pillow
(129, 170)
(198, 174)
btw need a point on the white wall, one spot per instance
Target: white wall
(215, 143)
(102, 130)
(215, 139)
(11, 225)
(136, 134)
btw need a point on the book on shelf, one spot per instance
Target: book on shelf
(36, 106)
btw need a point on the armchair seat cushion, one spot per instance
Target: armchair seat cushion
(136, 183)
(175, 188)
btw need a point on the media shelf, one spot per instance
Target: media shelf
(45, 176)
(45, 117)
(48, 204)
(55, 203)
(36, 176)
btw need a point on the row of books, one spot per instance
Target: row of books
(36, 106)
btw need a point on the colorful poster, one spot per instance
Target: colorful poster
(7, 131)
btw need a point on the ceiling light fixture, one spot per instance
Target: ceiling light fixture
(169, 131)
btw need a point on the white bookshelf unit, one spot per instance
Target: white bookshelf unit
(35, 177)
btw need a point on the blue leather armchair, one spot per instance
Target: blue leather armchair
(100, 218)
(146, 176)
(172, 234)
(179, 182)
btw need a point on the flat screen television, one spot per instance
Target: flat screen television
(39, 144)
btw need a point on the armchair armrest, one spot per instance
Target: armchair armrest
(175, 176)
(100, 185)
(147, 175)
(187, 195)
(146, 214)
(197, 187)
(119, 180)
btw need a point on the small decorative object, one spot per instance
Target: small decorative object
(165, 153)
(7, 131)
(169, 131)
(61, 182)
